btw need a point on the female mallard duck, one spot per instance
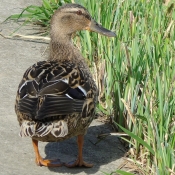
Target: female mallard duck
(56, 98)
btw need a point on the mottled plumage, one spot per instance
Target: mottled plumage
(55, 92)
(56, 98)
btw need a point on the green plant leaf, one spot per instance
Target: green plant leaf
(121, 172)
(138, 139)
(46, 4)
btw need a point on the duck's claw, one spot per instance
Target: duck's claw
(78, 163)
(49, 163)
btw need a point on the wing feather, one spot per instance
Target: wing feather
(49, 89)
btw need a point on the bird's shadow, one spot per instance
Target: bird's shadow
(103, 152)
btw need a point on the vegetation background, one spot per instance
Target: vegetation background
(135, 72)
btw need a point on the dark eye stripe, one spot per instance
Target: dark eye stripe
(85, 15)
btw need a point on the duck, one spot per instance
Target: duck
(56, 98)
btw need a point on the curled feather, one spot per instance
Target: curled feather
(60, 129)
(43, 129)
(27, 129)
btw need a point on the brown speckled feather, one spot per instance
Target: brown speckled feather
(51, 93)
(56, 98)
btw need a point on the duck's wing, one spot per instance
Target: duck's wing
(50, 89)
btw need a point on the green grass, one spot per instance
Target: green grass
(136, 72)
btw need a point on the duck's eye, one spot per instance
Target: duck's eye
(79, 12)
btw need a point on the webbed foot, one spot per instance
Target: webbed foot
(78, 163)
(48, 163)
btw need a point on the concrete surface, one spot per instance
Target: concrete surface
(16, 154)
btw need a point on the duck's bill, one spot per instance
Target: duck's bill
(95, 27)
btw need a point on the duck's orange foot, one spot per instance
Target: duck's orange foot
(78, 163)
(48, 163)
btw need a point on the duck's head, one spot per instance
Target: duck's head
(73, 17)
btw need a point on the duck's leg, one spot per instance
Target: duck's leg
(44, 162)
(79, 161)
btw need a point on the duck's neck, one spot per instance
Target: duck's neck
(62, 49)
